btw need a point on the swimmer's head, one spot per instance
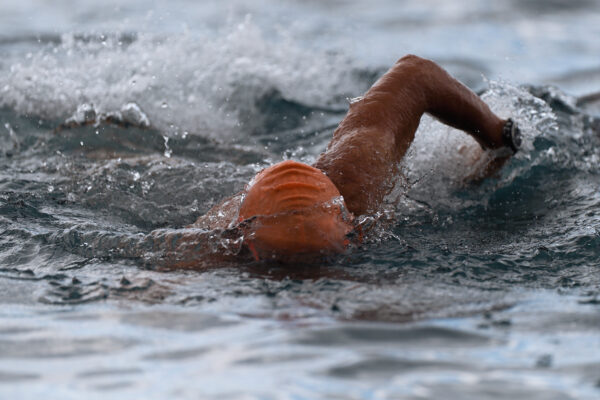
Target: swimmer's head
(295, 210)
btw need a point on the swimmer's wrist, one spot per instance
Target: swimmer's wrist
(511, 136)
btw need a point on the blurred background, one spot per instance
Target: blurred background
(532, 41)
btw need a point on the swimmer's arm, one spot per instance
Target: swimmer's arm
(414, 86)
(212, 239)
(371, 140)
(169, 248)
(190, 247)
(453, 104)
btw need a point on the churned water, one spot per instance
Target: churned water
(118, 119)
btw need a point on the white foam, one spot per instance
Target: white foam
(205, 85)
(441, 158)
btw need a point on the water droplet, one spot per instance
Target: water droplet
(354, 99)
(168, 152)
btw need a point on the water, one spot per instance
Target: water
(474, 292)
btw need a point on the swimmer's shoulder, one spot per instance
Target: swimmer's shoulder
(221, 215)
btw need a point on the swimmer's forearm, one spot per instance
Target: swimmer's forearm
(412, 87)
(450, 101)
(456, 105)
(189, 247)
(361, 158)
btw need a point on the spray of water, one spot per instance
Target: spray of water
(184, 84)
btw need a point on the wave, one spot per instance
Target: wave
(213, 86)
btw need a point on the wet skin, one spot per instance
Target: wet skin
(363, 156)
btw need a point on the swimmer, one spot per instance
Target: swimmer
(294, 211)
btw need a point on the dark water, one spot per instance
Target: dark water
(462, 292)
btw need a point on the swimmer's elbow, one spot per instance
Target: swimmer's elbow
(415, 60)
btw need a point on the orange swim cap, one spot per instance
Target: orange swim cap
(298, 211)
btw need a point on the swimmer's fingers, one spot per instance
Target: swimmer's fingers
(486, 165)
(490, 161)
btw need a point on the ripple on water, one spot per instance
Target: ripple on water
(438, 303)
(365, 335)
(15, 377)
(59, 347)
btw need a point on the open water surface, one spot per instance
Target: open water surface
(122, 119)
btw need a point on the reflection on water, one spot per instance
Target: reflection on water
(114, 137)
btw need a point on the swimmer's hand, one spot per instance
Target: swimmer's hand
(485, 165)
(488, 162)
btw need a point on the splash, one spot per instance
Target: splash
(184, 84)
(441, 158)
